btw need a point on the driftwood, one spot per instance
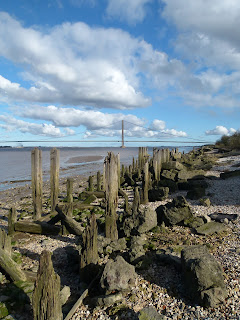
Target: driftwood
(37, 228)
(46, 300)
(71, 225)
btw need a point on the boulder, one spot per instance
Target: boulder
(118, 275)
(203, 276)
(211, 228)
(205, 202)
(172, 185)
(172, 165)
(169, 174)
(150, 313)
(136, 248)
(174, 212)
(229, 174)
(147, 220)
(220, 217)
(196, 193)
(158, 194)
(191, 174)
(194, 222)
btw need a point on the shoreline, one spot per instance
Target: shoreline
(224, 195)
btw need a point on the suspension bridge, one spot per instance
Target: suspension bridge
(119, 129)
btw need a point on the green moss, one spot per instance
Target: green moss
(3, 310)
(17, 257)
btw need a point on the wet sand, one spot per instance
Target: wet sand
(82, 159)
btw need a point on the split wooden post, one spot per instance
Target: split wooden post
(111, 185)
(36, 162)
(145, 183)
(46, 300)
(12, 218)
(54, 177)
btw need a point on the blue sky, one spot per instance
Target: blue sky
(73, 69)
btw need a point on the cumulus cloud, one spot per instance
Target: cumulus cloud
(98, 123)
(43, 129)
(132, 11)
(220, 130)
(72, 64)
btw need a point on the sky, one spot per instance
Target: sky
(72, 70)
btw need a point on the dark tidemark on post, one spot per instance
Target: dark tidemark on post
(54, 177)
(36, 162)
(46, 300)
(89, 253)
(145, 183)
(111, 185)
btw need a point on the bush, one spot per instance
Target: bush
(229, 142)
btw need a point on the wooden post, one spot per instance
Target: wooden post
(12, 218)
(111, 185)
(136, 201)
(36, 161)
(125, 196)
(123, 171)
(5, 242)
(54, 177)
(98, 181)
(119, 170)
(46, 295)
(145, 183)
(69, 210)
(133, 165)
(89, 253)
(90, 183)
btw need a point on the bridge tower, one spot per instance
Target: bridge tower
(123, 146)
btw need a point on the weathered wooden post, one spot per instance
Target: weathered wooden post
(136, 201)
(111, 185)
(145, 183)
(12, 218)
(104, 177)
(90, 183)
(119, 170)
(5, 242)
(98, 181)
(133, 165)
(89, 253)
(54, 177)
(46, 300)
(36, 162)
(69, 197)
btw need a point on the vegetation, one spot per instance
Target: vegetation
(229, 142)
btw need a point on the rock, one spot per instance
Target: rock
(147, 220)
(172, 185)
(172, 165)
(229, 174)
(211, 228)
(108, 300)
(220, 217)
(118, 275)
(191, 174)
(3, 310)
(118, 245)
(136, 248)
(192, 184)
(168, 257)
(174, 212)
(203, 276)
(129, 225)
(194, 222)
(150, 313)
(65, 294)
(168, 174)
(205, 202)
(158, 194)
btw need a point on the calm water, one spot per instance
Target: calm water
(15, 163)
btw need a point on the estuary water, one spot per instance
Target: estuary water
(15, 163)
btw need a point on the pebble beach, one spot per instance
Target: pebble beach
(157, 285)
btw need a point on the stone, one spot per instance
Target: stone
(169, 174)
(196, 193)
(203, 276)
(147, 220)
(3, 310)
(191, 174)
(118, 275)
(150, 313)
(220, 217)
(194, 222)
(172, 185)
(174, 212)
(173, 165)
(229, 174)
(108, 300)
(158, 194)
(136, 248)
(205, 202)
(65, 294)
(211, 228)
(119, 245)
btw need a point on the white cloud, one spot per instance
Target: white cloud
(43, 129)
(133, 11)
(98, 123)
(73, 64)
(221, 130)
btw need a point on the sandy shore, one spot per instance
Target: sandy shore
(156, 286)
(82, 159)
